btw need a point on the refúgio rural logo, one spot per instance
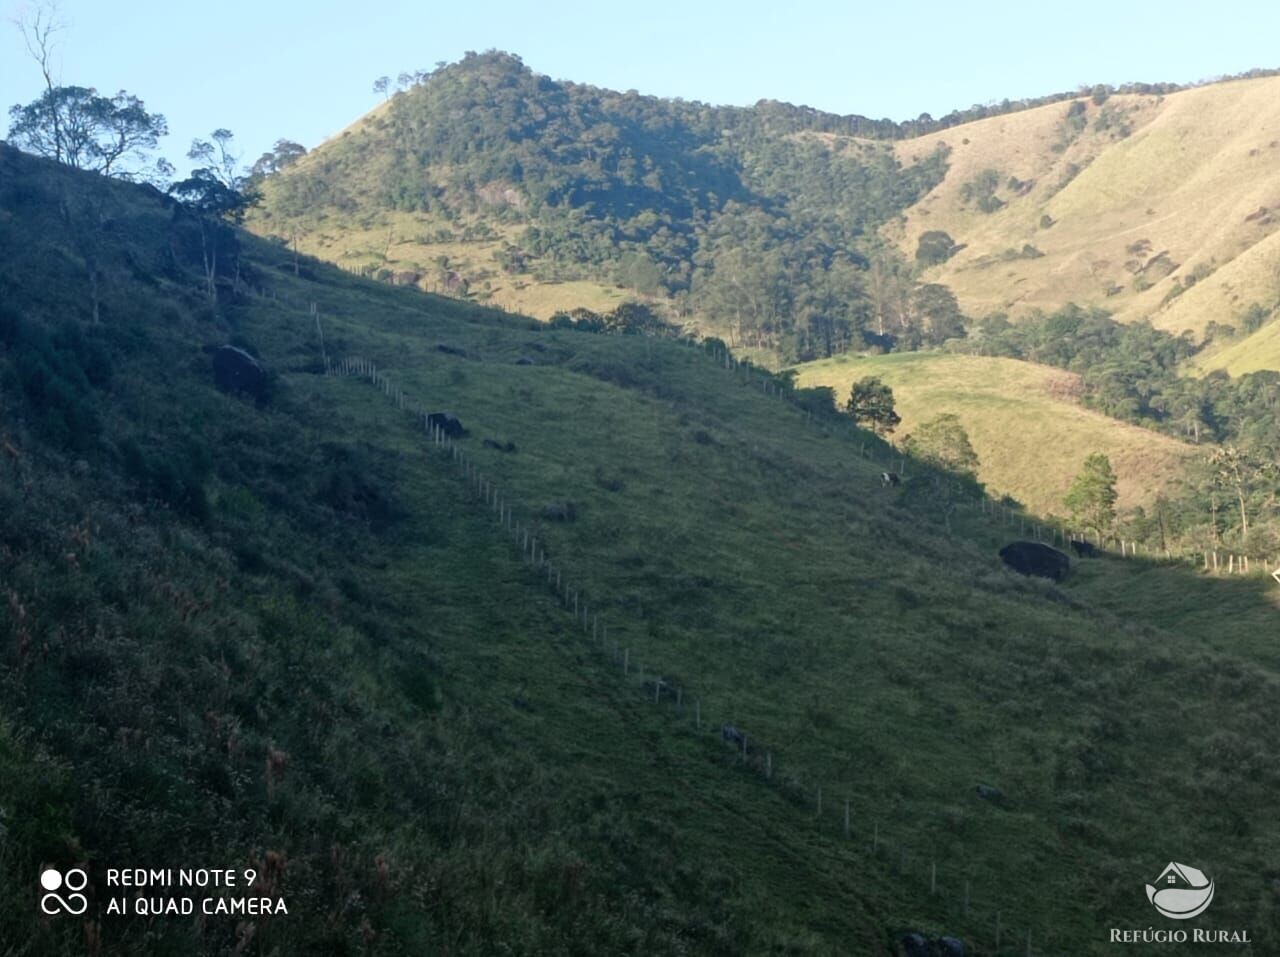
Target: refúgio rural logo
(1180, 892)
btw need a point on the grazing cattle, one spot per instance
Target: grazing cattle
(731, 734)
(1033, 558)
(448, 423)
(560, 511)
(1085, 549)
(890, 478)
(500, 446)
(451, 350)
(235, 371)
(948, 947)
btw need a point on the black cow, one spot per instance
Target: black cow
(890, 478)
(1085, 549)
(1033, 558)
(948, 947)
(448, 423)
(731, 734)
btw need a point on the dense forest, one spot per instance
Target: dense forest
(753, 217)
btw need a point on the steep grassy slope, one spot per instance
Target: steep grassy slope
(1250, 353)
(1160, 207)
(339, 660)
(1029, 431)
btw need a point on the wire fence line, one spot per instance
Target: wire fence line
(947, 886)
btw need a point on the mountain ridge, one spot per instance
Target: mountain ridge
(1088, 204)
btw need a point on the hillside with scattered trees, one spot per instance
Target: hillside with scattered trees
(483, 176)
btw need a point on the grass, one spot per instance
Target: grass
(1187, 180)
(1030, 435)
(1253, 353)
(466, 773)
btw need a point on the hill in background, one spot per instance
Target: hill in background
(491, 181)
(1158, 207)
(764, 224)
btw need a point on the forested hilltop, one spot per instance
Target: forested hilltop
(486, 179)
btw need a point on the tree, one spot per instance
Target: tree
(76, 126)
(871, 405)
(1240, 473)
(381, 85)
(1092, 497)
(281, 156)
(217, 192)
(935, 247)
(40, 26)
(943, 443)
(938, 316)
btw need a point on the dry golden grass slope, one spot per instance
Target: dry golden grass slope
(1028, 430)
(1241, 356)
(1194, 176)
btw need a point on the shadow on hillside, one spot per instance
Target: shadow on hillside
(1237, 613)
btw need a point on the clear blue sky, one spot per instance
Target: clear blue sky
(282, 68)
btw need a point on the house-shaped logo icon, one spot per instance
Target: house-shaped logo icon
(1181, 891)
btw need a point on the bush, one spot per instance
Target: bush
(934, 247)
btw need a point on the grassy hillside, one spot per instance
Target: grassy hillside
(1160, 207)
(1030, 433)
(1248, 353)
(285, 634)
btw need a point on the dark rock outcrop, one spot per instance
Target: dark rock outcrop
(235, 371)
(1033, 558)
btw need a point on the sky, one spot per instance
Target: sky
(303, 71)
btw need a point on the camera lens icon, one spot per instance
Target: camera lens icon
(73, 881)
